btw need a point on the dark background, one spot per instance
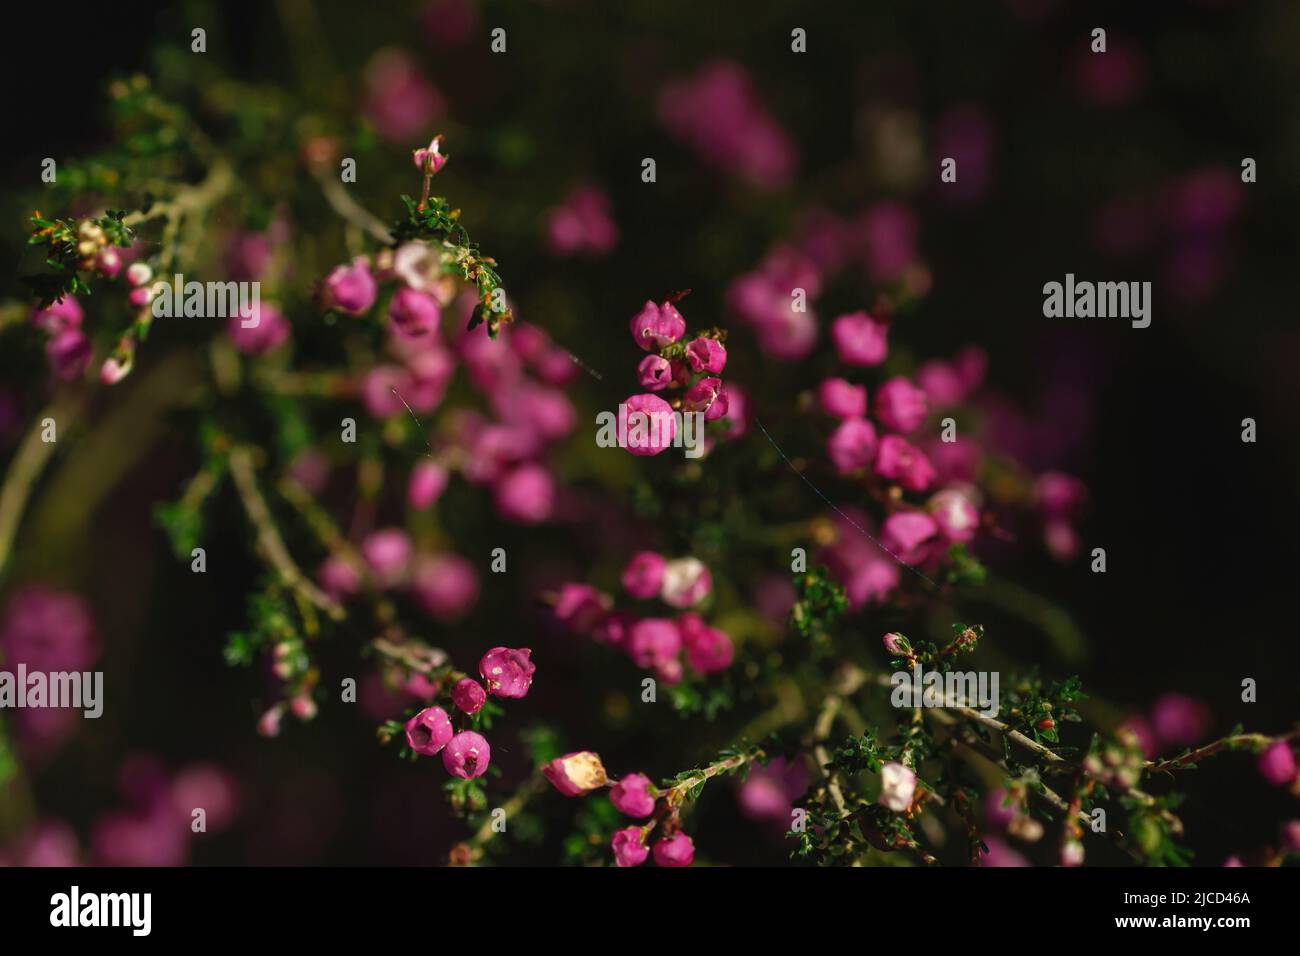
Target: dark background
(1198, 527)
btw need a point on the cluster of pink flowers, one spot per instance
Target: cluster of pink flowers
(717, 113)
(507, 672)
(400, 101)
(776, 298)
(692, 369)
(157, 828)
(580, 773)
(49, 631)
(656, 643)
(582, 224)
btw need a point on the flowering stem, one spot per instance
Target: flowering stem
(269, 541)
(27, 466)
(1234, 742)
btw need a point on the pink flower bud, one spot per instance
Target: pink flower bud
(904, 532)
(956, 516)
(303, 707)
(109, 262)
(525, 495)
(897, 645)
(339, 578)
(852, 446)
(415, 313)
(1072, 853)
(429, 731)
(901, 406)
(63, 314)
(644, 575)
(897, 787)
(140, 297)
(351, 289)
(138, 274)
(576, 774)
(859, 339)
(469, 695)
(629, 847)
(68, 353)
(507, 671)
(387, 553)
(706, 355)
(429, 159)
(1277, 764)
(258, 331)
(677, 850)
(653, 640)
(898, 460)
(654, 373)
(708, 650)
(268, 725)
(428, 480)
(686, 582)
(466, 755)
(842, 399)
(657, 325)
(707, 396)
(634, 796)
(580, 607)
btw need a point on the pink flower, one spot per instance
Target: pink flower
(629, 847)
(351, 289)
(415, 313)
(678, 850)
(654, 373)
(576, 774)
(634, 796)
(686, 582)
(383, 388)
(897, 786)
(429, 158)
(1277, 764)
(708, 650)
(582, 224)
(768, 793)
(428, 480)
(1179, 720)
(707, 396)
(445, 585)
(899, 461)
(387, 553)
(646, 425)
(1059, 495)
(339, 578)
(1000, 854)
(706, 355)
(507, 671)
(526, 494)
(209, 787)
(852, 445)
(68, 353)
(901, 406)
(259, 330)
(841, 399)
(859, 339)
(466, 755)
(400, 102)
(644, 575)
(580, 607)
(64, 313)
(48, 630)
(657, 325)
(653, 640)
(469, 695)
(718, 114)
(429, 731)
(957, 518)
(904, 532)
(1144, 735)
